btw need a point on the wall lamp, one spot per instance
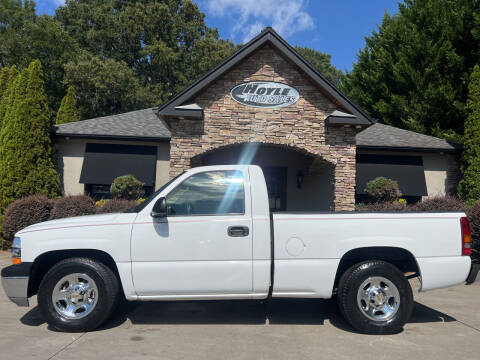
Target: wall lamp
(300, 178)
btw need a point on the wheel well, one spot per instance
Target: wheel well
(400, 258)
(44, 262)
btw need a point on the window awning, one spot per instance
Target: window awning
(104, 162)
(406, 170)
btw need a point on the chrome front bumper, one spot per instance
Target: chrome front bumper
(15, 283)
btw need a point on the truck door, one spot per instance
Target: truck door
(203, 248)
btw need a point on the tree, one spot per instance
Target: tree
(4, 74)
(166, 43)
(68, 108)
(469, 186)
(26, 153)
(321, 62)
(24, 37)
(413, 72)
(104, 87)
(6, 83)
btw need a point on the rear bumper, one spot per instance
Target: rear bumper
(15, 282)
(473, 276)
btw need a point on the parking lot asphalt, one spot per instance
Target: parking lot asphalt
(445, 325)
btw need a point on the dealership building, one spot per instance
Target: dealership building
(264, 105)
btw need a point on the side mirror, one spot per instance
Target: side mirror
(160, 208)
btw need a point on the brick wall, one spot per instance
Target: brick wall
(300, 126)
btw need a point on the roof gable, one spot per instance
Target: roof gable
(176, 106)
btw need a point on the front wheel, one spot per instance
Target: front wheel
(375, 298)
(77, 294)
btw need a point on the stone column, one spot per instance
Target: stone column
(344, 185)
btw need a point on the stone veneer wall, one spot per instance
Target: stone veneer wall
(300, 126)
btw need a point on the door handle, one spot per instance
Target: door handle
(238, 231)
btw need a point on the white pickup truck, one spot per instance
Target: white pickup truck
(209, 234)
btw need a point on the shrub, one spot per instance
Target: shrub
(474, 220)
(382, 189)
(76, 205)
(117, 205)
(101, 203)
(127, 187)
(440, 203)
(24, 212)
(384, 206)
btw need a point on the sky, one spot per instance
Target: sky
(335, 27)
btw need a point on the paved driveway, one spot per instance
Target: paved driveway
(445, 325)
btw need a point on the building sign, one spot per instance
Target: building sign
(265, 94)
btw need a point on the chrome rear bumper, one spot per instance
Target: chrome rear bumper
(15, 283)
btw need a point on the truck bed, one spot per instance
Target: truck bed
(308, 247)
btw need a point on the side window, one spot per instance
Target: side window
(208, 193)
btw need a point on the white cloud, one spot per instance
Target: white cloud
(285, 16)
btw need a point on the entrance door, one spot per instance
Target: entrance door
(276, 179)
(203, 248)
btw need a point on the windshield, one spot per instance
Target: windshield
(148, 200)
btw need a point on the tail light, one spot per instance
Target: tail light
(466, 236)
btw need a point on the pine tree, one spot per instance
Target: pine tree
(26, 153)
(469, 187)
(7, 78)
(413, 72)
(4, 72)
(68, 108)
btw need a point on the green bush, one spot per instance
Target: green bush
(382, 189)
(127, 187)
(24, 212)
(76, 205)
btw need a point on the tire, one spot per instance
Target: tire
(87, 290)
(372, 305)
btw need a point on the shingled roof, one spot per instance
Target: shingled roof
(136, 125)
(146, 125)
(380, 136)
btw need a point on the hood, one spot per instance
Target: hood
(73, 221)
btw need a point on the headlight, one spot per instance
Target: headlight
(17, 250)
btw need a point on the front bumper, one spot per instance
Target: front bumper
(15, 282)
(473, 276)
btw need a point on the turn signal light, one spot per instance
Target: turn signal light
(466, 236)
(16, 261)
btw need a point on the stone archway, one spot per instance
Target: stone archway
(340, 164)
(296, 180)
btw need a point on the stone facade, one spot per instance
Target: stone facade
(300, 126)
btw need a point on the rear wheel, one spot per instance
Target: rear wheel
(78, 294)
(375, 298)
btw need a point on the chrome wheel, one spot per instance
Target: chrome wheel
(378, 298)
(75, 296)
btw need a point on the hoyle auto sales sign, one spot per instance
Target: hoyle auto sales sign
(264, 94)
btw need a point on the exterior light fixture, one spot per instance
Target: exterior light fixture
(300, 178)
